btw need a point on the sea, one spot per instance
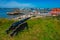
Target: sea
(3, 13)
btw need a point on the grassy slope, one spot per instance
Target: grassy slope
(39, 29)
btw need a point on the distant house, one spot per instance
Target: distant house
(55, 11)
(45, 11)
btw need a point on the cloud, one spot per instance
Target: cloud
(30, 3)
(16, 4)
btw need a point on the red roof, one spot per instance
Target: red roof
(55, 11)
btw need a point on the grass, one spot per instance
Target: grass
(39, 29)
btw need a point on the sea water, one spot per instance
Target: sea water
(3, 13)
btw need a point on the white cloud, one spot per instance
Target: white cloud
(16, 4)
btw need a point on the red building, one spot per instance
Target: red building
(55, 11)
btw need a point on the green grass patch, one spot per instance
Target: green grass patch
(39, 29)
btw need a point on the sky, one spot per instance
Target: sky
(30, 3)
